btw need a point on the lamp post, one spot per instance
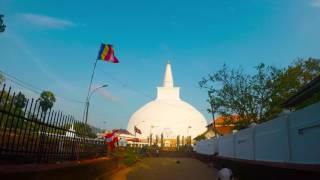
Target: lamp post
(189, 127)
(88, 100)
(212, 112)
(151, 127)
(104, 123)
(189, 137)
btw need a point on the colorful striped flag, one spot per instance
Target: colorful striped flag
(106, 53)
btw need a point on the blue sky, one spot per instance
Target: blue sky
(52, 45)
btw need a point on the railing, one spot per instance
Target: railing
(30, 135)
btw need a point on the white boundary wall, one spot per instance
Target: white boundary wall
(244, 144)
(291, 138)
(304, 135)
(226, 146)
(271, 140)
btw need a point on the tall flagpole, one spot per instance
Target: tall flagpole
(85, 114)
(110, 57)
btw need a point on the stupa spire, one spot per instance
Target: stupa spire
(168, 79)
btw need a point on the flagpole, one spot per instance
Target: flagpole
(86, 110)
(135, 138)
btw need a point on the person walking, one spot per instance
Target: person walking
(225, 173)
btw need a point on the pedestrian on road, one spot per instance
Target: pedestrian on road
(225, 173)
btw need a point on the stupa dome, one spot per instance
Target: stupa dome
(167, 114)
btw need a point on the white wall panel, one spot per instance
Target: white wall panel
(244, 144)
(304, 134)
(271, 141)
(226, 145)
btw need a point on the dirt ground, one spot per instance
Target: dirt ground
(166, 168)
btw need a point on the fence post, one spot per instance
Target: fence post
(254, 142)
(6, 121)
(288, 140)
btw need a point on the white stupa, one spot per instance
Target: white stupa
(167, 114)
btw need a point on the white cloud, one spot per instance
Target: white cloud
(104, 93)
(46, 21)
(315, 3)
(38, 63)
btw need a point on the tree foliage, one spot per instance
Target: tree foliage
(2, 78)
(20, 101)
(2, 26)
(83, 129)
(47, 100)
(200, 137)
(292, 79)
(257, 97)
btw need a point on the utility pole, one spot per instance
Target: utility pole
(105, 127)
(151, 127)
(189, 137)
(212, 112)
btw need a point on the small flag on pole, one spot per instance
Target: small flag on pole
(137, 130)
(106, 53)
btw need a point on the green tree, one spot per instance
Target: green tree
(47, 100)
(20, 101)
(263, 88)
(83, 130)
(235, 93)
(2, 78)
(2, 26)
(290, 82)
(258, 97)
(200, 137)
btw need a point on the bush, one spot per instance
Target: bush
(130, 158)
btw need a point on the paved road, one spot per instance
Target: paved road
(167, 169)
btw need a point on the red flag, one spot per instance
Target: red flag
(111, 139)
(137, 130)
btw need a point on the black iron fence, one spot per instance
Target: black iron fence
(30, 135)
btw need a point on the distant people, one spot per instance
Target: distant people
(143, 151)
(225, 173)
(157, 152)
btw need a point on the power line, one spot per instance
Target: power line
(124, 84)
(33, 88)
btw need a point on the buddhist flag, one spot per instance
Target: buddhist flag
(106, 53)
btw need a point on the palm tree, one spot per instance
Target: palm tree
(2, 26)
(47, 99)
(20, 101)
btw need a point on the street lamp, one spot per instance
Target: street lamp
(88, 100)
(151, 127)
(189, 127)
(104, 123)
